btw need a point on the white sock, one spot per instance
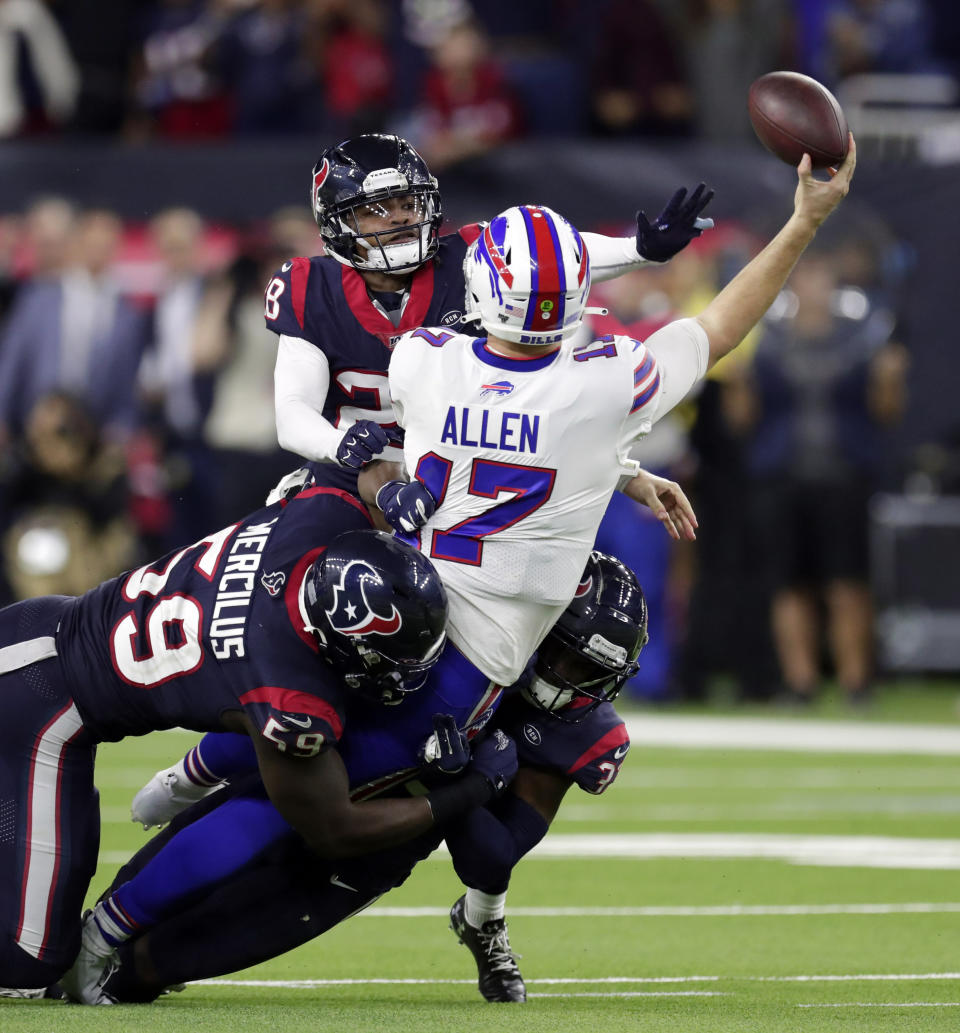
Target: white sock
(480, 907)
(110, 930)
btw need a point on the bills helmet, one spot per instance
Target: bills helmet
(355, 178)
(594, 646)
(379, 612)
(528, 277)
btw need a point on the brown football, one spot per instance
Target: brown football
(792, 114)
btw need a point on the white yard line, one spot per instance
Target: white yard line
(306, 984)
(885, 1004)
(806, 736)
(820, 851)
(706, 911)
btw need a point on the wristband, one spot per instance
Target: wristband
(473, 790)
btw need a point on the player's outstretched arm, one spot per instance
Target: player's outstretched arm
(658, 241)
(742, 303)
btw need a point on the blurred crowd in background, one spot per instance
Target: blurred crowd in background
(136, 395)
(454, 76)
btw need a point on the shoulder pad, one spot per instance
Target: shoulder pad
(285, 298)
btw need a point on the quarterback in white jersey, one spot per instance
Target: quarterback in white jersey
(516, 441)
(522, 461)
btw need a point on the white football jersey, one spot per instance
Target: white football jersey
(523, 456)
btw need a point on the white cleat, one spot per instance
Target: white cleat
(165, 796)
(94, 965)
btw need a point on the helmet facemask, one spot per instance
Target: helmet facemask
(378, 610)
(570, 680)
(351, 180)
(594, 646)
(370, 671)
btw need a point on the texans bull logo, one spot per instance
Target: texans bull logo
(351, 613)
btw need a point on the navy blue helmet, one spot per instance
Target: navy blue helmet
(379, 611)
(594, 646)
(359, 175)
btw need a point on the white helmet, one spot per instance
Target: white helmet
(527, 277)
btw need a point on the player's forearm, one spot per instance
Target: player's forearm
(742, 303)
(610, 257)
(368, 826)
(301, 379)
(375, 475)
(301, 429)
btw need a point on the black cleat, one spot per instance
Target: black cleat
(499, 976)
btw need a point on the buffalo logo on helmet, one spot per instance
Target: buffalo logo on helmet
(351, 613)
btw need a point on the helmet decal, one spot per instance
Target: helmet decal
(494, 254)
(318, 178)
(584, 587)
(351, 613)
(528, 276)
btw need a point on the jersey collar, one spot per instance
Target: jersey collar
(531, 365)
(372, 319)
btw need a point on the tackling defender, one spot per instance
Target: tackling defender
(387, 270)
(566, 731)
(171, 644)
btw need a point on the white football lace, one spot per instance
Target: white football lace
(497, 946)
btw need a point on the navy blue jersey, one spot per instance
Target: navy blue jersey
(590, 752)
(214, 627)
(326, 303)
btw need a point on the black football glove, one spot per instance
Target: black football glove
(363, 442)
(406, 505)
(447, 749)
(675, 226)
(496, 759)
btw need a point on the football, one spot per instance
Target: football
(792, 114)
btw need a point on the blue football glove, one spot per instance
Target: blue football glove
(363, 442)
(675, 226)
(496, 759)
(447, 749)
(406, 505)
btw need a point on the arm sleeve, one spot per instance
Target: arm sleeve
(682, 351)
(301, 380)
(610, 257)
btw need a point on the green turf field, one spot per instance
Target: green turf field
(711, 889)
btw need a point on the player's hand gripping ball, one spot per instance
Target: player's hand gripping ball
(793, 114)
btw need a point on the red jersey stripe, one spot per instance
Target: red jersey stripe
(614, 738)
(289, 701)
